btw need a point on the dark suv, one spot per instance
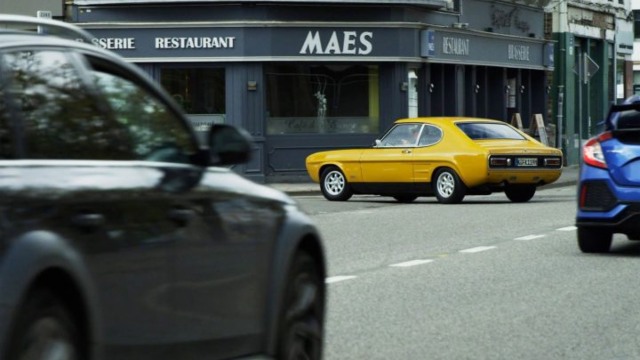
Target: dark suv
(121, 237)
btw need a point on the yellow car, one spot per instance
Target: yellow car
(448, 157)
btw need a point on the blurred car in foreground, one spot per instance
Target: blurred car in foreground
(449, 157)
(122, 238)
(609, 181)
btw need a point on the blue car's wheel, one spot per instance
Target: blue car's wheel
(594, 240)
(334, 185)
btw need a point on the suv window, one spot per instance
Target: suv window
(60, 118)
(155, 133)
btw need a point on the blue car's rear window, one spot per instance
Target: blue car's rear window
(489, 131)
(628, 119)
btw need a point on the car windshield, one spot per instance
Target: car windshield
(489, 131)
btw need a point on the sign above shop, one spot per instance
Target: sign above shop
(471, 48)
(253, 43)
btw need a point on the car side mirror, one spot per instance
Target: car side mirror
(229, 145)
(377, 143)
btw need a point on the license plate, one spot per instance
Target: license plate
(526, 162)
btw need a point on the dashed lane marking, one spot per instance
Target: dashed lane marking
(567, 228)
(412, 263)
(529, 237)
(334, 279)
(477, 249)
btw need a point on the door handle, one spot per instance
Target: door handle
(182, 216)
(88, 221)
(406, 151)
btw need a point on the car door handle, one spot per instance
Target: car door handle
(181, 216)
(88, 221)
(406, 151)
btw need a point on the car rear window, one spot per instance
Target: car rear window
(489, 131)
(628, 119)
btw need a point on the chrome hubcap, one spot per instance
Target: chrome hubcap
(334, 183)
(446, 184)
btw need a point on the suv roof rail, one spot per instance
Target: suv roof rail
(44, 26)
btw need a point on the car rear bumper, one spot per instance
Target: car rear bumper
(606, 205)
(525, 176)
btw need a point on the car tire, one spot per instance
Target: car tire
(405, 198)
(594, 240)
(44, 329)
(334, 185)
(301, 324)
(520, 193)
(448, 187)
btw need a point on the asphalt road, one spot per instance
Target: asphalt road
(486, 279)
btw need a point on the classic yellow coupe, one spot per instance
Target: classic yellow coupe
(448, 157)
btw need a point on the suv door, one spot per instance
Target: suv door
(77, 180)
(214, 303)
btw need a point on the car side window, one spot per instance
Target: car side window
(60, 118)
(430, 135)
(156, 133)
(402, 135)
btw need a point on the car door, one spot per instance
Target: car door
(78, 180)
(222, 238)
(426, 156)
(391, 161)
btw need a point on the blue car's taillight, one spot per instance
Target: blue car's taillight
(592, 151)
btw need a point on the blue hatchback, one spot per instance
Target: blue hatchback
(609, 185)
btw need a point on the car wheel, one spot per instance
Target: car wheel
(594, 240)
(302, 315)
(43, 329)
(334, 185)
(405, 198)
(520, 193)
(448, 187)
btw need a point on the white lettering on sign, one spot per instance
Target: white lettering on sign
(455, 46)
(350, 43)
(115, 43)
(519, 52)
(221, 42)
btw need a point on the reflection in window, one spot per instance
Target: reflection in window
(60, 117)
(6, 140)
(155, 134)
(402, 135)
(197, 90)
(328, 98)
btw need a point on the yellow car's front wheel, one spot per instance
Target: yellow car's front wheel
(334, 185)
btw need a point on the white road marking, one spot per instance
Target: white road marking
(529, 237)
(567, 228)
(477, 249)
(411, 263)
(334, 279)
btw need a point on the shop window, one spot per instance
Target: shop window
(200, 92)
(333, 98)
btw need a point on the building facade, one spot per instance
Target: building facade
(305, 76)
(594, 43)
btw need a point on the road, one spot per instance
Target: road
(486, 279)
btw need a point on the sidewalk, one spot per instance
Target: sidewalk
(569, 177)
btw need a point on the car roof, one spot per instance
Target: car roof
(445, 120)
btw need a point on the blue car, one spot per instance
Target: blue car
(609, 183)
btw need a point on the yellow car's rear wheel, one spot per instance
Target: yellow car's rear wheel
(334, 185)
(520, 193)
(448, 187)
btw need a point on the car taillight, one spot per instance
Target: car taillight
(496, 161)
(592, 151)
